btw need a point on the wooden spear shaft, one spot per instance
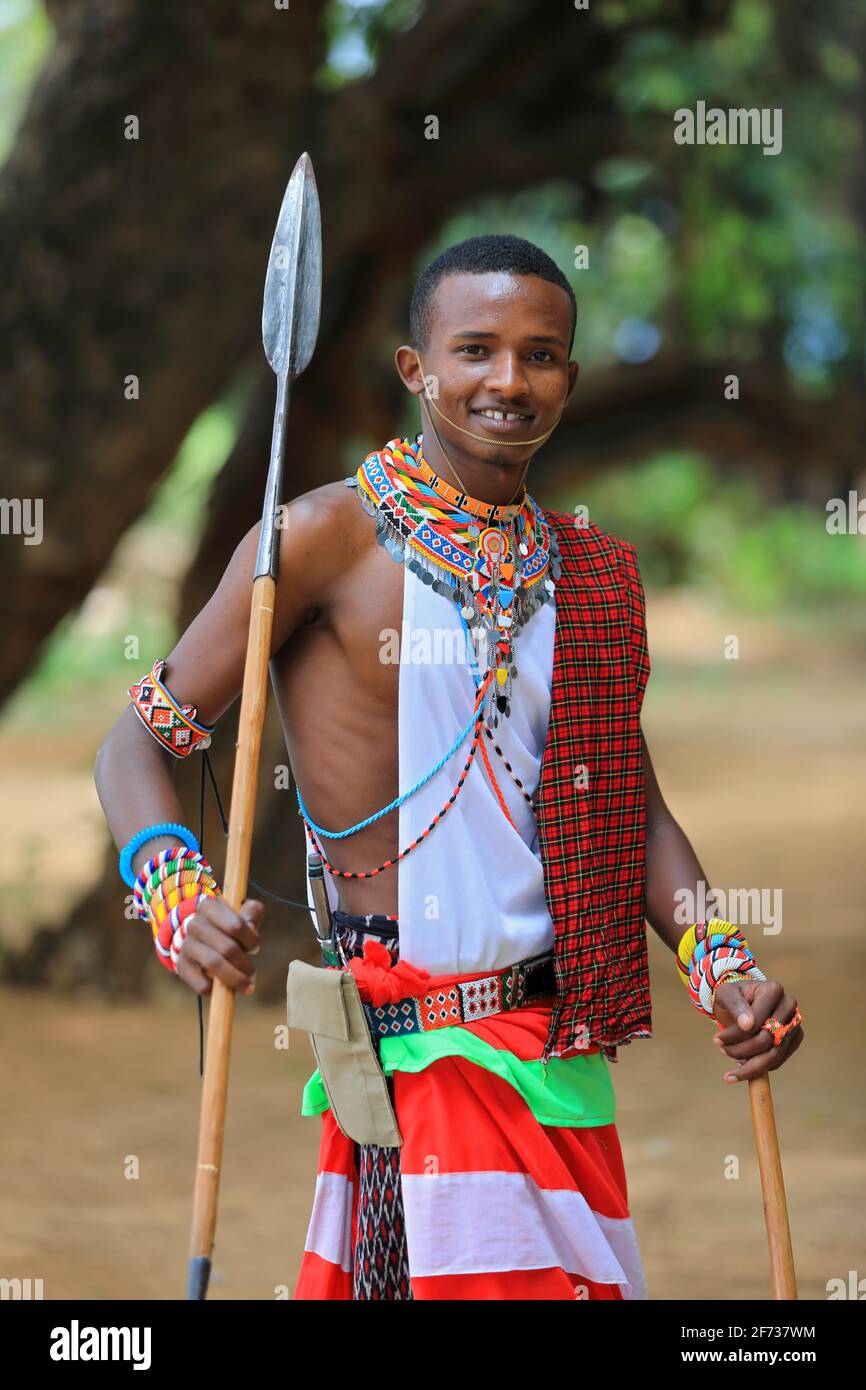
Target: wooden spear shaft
(782, 1273)
(221, 1011)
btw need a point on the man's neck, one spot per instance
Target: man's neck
(496, 481)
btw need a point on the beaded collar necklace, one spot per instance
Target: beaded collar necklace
(494, 560)
(490, 512)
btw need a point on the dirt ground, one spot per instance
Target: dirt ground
(763, 761)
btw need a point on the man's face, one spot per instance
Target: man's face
(499, 348)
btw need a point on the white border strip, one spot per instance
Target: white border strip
(477, 1223)
(329, 1233)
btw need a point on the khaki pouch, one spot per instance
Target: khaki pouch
(326, 1004)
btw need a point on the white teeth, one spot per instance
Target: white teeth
(500, 415)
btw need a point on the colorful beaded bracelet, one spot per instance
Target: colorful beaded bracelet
(161, 866)
(177, 887)
(174, 881)
(151, 832)
(711, 953)
(167, 891)
(164, 905)
(169, 916)
(172, 933)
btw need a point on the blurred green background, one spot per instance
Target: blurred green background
(733, 257)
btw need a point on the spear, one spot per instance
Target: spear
(290, 327)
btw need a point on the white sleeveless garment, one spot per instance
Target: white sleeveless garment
(471, 895)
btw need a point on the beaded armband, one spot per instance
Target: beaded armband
(709, 954)
(172, 724)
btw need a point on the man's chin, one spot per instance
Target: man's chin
(492, 454)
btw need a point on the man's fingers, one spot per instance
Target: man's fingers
(757, 1066)
(253, 911)
(216, 914)
(219, 955)
(192, 974)
(751, 1047)
(766, 1061)
(769, 1001)
(749, 1011)
(761, 1040)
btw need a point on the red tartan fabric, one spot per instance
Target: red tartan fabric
(590, 802)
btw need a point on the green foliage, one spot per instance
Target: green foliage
(767, 252)
(25, 38)
(178, 503)
(693, 527)
(356, 31)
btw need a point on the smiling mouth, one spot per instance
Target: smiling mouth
(503, 417)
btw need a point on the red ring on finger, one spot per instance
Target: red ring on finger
(778, 1029)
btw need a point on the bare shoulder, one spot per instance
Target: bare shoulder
(323, 534)
(332, 504)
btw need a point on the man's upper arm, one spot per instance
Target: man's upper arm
(656, 810)
(206, 667)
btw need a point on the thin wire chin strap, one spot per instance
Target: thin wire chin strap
(485, 438)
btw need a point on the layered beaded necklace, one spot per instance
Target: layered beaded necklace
(495, 561)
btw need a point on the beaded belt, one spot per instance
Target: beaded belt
(464, 1000)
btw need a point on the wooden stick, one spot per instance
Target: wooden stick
(782, 1273)
(221, 1012)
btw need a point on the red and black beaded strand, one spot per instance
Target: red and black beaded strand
(514, 777)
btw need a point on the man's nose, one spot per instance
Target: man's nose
(508, 375)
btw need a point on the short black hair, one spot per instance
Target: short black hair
(476, 256)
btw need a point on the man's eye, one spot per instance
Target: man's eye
(468, 347)
(545, 353)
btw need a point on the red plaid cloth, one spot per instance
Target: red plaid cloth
(592, 837)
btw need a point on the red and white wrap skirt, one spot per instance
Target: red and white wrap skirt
(513, 1185)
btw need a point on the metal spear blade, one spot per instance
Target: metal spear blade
(290, 326)
(293, 287)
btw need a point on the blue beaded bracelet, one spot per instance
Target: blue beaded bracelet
(152, 832)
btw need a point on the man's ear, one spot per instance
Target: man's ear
(406, 360)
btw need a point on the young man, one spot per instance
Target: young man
(464, 730)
